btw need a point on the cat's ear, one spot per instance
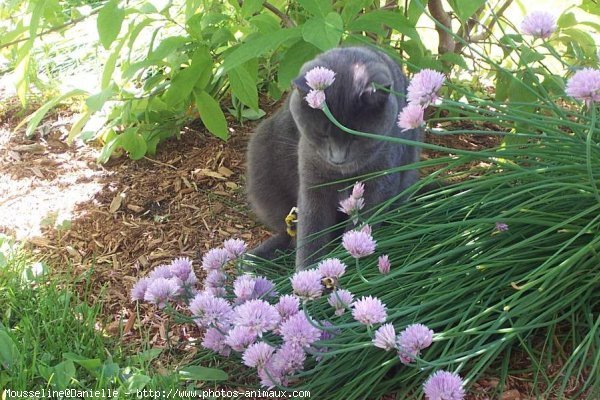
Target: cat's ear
(300, 84)
(374, 95)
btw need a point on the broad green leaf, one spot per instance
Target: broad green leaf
(133, 143)
(110, 19)
(257, 46)
(250, 7)
(415, 10)
(95, 102)
(184, 81)
(318, 8)
(529, 55)
(211, 114)
(78, 126)
(137, 382)
(465, 9)
(292, 60)
(167, 47)
(109, 65)
(455, 59)
(583, 39)
(63, 373)
(503, 79)
(34, 119)
(592, 7)
(198, 373)
(108, 148)
(148, 355)
(376, 20)
(9, 352)
(566, 20)
(243, 86)
(352, 9)
(324, 33)
(265, 23)
(91, 364)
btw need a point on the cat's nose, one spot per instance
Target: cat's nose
(337, 156)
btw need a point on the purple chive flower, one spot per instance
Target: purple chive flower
(351, 206)
(331, 267)
(257, 355)
(161, 271)
(501, 227)
(340, 299)
(369, 310)
(444, 385)
(424, 87)
(263, 288)
(319, 78)
(243, 288)
(160, 291)
(411, 117)
(307, 284)
(384, 265)
(215, 341)
(287, 306)
(210, 311)
(215, 291)
(358, 190)
(240, 337)
(215, 259)
(385, 337)
(288, 359)
(298, 331)
(315, 99)
(139, 289)
(182, 269)
(359, 243)
(235, 247)
(539, 24)
(258, 315)
(215, 278)
(412, 340)
(585, 85)
(270, 377)
(327, 334)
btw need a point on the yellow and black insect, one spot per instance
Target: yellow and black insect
(330, 283)
(291, 222)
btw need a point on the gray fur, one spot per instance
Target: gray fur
(298, 148)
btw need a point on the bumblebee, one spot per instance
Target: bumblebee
(330, 283)
(291, 222)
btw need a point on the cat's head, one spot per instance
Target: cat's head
(356, 99)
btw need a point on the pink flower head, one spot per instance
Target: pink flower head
(332, 268)
(182, 269)
(161, 271)
(384, 265)
(358, 190)
(215, 341)
(211, 311)
(319, 78)
(215, 259)
(385, 337)
(288, 359)
(340, 299)
(240, 337)
(351, 206)
(443, 385)
(411, 117)
(139, 289)
(243, 288)
(257, 355)
(258, 315)
(215, 278)
(235, 247)
(287, 306)
(585, 85)
(369, 310)
(423, 89)
(359, 243)
(501, 227)
(539, 24)
(412, 340)
(160, 291)
(263, 288)
(307, 284)
(297, 330)
(315, 99)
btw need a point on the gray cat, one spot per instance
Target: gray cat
(298, 149)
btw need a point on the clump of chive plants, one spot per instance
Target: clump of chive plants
(488, 264)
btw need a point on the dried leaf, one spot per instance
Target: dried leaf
(115, 204)
(225, 171)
